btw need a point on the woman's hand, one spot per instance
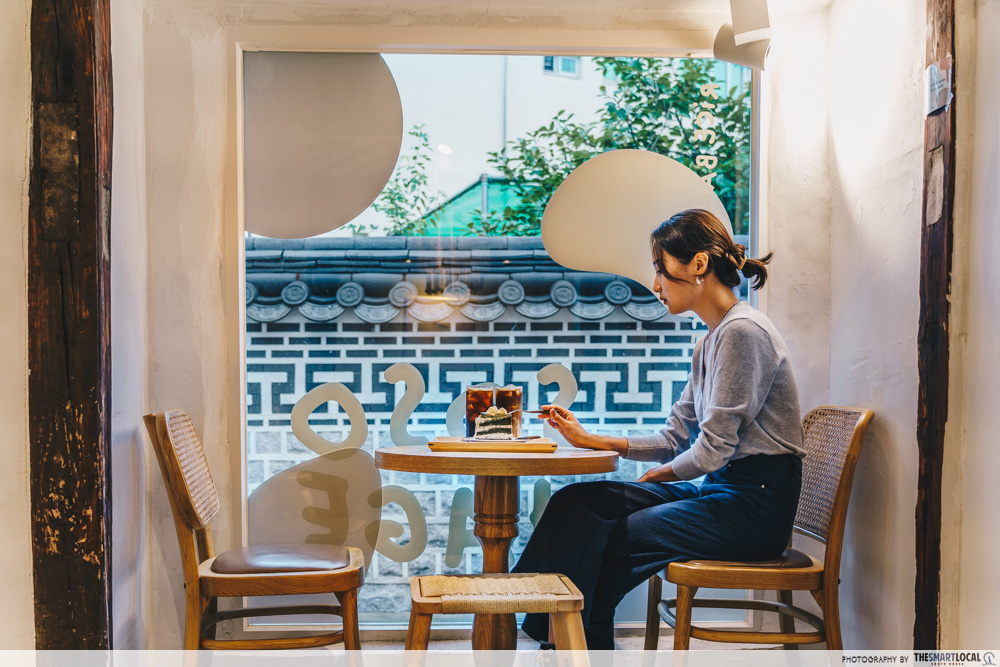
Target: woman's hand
(661, 473)
(570, 428)
(568, 425)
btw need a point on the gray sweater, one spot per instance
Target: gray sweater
(740, 399)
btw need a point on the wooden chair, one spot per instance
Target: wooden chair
(833, 440)
(246, 571)
(551, 594)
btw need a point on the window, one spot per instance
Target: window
(446, 271)
(568, 66)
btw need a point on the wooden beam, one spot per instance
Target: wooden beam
(932, 337)
(69, 352)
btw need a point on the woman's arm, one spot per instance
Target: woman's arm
(675, 437)
(570, 428)
(742, 372)
(663, 473)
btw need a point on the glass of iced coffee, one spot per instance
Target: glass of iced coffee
(512, 399)
(478, 399)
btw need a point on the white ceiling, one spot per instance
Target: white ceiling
(649, 15)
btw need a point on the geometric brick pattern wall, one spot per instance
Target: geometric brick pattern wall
(629, 373)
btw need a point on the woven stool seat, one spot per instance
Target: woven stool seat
(552, 594)
(496, 593)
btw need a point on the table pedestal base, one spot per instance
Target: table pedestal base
(496, 509)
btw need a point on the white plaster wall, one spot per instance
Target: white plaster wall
(970, 614)
(954, 442)
(844, 179)
(186, 138)
(796, 179)
(129, 325)
(876, 144)
(796, 176)
(17, 627)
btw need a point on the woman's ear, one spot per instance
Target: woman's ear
(699, 264)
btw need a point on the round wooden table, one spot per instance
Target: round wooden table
(496, 504)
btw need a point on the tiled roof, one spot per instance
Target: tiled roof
(430, 277)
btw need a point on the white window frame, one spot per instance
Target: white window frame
(557, 69)
(326, 38)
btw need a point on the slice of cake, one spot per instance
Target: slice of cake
(495, 424)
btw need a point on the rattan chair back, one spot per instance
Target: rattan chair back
(185, 469)
(833, 439)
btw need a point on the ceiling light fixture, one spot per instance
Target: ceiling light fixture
(747, 40)
(752, 54)
(750, 21)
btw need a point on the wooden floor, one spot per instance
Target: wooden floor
(450, 642)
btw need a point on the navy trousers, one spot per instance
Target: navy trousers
(608, 537)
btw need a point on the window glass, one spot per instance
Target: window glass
(569, 65)
(446, 271)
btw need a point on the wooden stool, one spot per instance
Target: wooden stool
(551, 594)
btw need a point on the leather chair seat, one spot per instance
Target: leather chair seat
(789, 558)
(268, 559)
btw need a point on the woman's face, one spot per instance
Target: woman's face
(677, 295)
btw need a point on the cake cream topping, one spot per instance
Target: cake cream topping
(495, 424)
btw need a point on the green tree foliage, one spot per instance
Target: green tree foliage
(497, 224)
(407, 197)
(654, 106)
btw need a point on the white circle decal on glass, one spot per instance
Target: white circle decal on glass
(601, 216)
(322, 133)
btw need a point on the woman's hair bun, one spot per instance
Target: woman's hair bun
(696, 230)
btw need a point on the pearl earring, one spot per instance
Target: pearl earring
(699, 280)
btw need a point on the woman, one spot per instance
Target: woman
(737, 422)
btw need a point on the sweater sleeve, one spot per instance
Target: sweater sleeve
(682, 426)
(742, 371)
